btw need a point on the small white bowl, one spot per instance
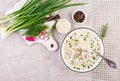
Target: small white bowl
(83, 20)
(67, 27)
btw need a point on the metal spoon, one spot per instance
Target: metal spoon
(109, 62)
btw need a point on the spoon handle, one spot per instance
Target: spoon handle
(109, 62)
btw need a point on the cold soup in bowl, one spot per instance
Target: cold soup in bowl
(77, 50)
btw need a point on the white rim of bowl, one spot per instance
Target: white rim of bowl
(84, 14)
(102, 50)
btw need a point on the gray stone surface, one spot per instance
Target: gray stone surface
(19, 62)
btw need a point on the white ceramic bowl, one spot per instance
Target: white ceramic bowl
(63, 27)
(78, 30)
(74, 19)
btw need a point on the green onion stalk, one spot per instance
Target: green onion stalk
(32, 16)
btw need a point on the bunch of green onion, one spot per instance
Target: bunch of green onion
(32, 16)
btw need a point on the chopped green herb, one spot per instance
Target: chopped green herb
(75, 56)
(80, 54)
(76, 68)
(86, 51)
(72, 61)
(87, 34)
(81, 35)
(88, 67)
(83, 65)
(91, 43)
(85, 39)
(88, 60)
(70, 45)
(98, 49)
(94, 58)
(98, 44)
(91, 65)
(76, 40)
(70, 37)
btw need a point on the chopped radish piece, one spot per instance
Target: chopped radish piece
(46, 35)
(42, 37)
(81, 60)
(47, 30)
(83, 49)
(77, 62)
(46, 38)
(44, 32)
(30, 38)
(83, 57)
(87, 56)
(73, 36)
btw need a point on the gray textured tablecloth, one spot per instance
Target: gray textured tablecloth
(108, 11)
(19, 62)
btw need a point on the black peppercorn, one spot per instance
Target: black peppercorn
(79, 16)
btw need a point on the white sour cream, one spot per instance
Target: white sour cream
(63, 26)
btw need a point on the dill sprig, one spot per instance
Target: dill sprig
(35, 31)
(104, 31)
